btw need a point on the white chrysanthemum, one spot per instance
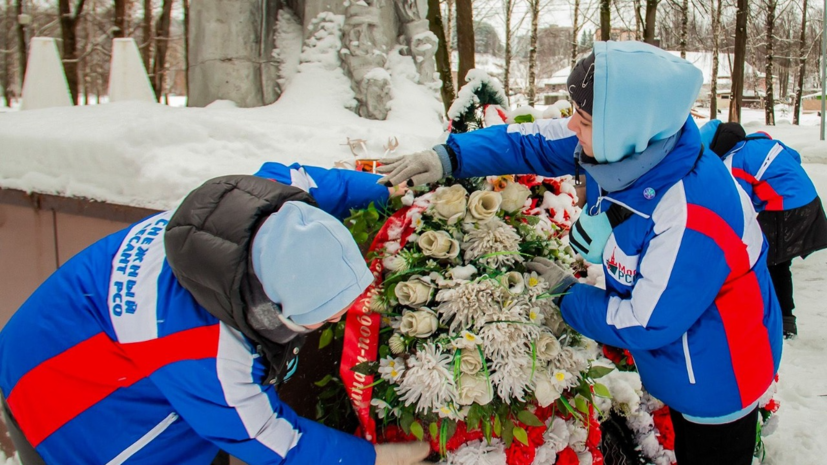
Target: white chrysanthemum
(429, 381)
(512, 377)
(557, 435)
(572, 359)
(492, 237)
(377, 303)
(507, 332)
(463, 305)
(391, 369)
(577, 436)
(478, 453)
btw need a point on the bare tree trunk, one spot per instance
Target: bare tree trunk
(161, 46)
(532, 52)
(146, 47)
(651, 16)
(605, 20)
(684, 26)
(465, 39)
(22, 50)
(638, 21)
(738, 65)
(508, 7)
(68, 26)
(449, 26)
(574, 33)
(716, 40)
(802, 64)
(187, 48)
(443, 63)
(120, 19)
(769, 103)
(5, 45)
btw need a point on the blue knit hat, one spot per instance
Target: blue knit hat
(308, 263)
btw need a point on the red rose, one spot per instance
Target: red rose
(666, 432)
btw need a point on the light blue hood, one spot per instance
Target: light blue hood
(642, 94)
(708, 132)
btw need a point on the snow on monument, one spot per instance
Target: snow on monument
(45, 85)
(127, 76)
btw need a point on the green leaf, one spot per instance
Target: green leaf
(581, 404)
(366, 368)
(326, 338)
(339, 332)
(486, 430)
(361, 237)
(416, 430)
(383, 351)
(529, 418)
(406, 421)
(520, 434)
(602, 391)
(498, 426)
(508, 432)
(473, 419)
(433, 428)
(598, 372)
(565, 405)
(328, 393)
(529, 118)
(323, 382)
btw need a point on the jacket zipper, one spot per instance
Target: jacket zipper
(689, 369)
(136, 447)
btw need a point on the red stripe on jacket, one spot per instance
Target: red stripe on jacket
(765, 192)
(66, 385)
(740, 305)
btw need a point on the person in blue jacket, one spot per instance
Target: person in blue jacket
(789, 208)
(687, 287)
(166, 341)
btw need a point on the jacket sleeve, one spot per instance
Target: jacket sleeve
(220, 399)
(545, 147)
(674, 286)
(337, 191)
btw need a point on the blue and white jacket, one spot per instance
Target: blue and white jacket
(771, 173)
(112, 361)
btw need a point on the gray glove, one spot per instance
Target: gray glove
(558, 279)
(414, 169)
(402, 453)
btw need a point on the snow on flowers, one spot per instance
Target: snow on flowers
(474, 355)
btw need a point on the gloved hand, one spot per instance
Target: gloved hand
(589, 235)
(558, 279)
(414, 169)
(402, 453)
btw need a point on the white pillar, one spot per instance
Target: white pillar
(127, 76)
(45, 85)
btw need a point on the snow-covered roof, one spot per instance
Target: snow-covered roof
(703, 61)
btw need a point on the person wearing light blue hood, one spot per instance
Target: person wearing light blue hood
(687, 287)
(167, 341)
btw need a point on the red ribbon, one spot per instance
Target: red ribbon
(361, 340)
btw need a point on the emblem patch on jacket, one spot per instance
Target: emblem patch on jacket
(622, 267)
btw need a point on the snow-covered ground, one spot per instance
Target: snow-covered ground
(151, 155)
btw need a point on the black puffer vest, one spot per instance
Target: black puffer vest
(208, 243)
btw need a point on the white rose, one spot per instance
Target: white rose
(438, 244)
(469, 361)
(462, 272)
(548, 347)
(449, 203)
(513, 281)
(421, 323)
(514, 197)
(474, 389)
(545, 392)
(483, 205)
(413, 293)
